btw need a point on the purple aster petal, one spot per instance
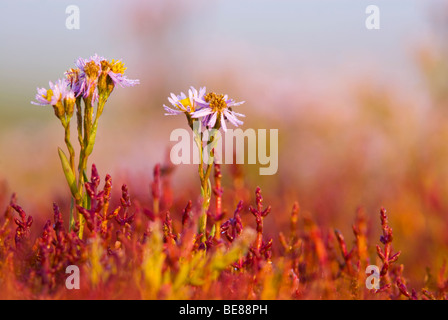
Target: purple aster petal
(80, 63)
(172, 101)
(232, 118)
(232, 103)
(38, 104)
(238, 114)
(212, 121)
(191, 94)
(40, 97)
(174, 97)
(170, 111)
(122, 80)
(201, 113)
(223, 123)
(95, 58)
(201, 103)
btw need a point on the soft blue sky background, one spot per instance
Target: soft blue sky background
(258, 51)
(318, 35)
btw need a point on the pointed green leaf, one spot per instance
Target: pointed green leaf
(213, 231)
(71, 224)
(92, 138)
(69, 175)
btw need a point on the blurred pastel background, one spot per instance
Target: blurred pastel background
(362, 114)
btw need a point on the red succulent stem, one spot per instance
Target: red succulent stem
(259, 215)
(155, 188)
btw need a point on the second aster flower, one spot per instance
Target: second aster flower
(184, 104)
(217, 108)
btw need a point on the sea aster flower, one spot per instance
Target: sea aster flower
(58, 91)
(182, 103)
(90, 69)
(60, 96)
(99, 76)
(115, 72)
(72, 77)
(217, 106)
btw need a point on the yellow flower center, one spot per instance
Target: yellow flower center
(49, 95)
(91, 69)
(117, 66)
(186, 103)
(217, 102)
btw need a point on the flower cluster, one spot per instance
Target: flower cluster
(98, 76)
(91, 81)
(93, 77)
(210, 110)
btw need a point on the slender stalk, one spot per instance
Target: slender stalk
(66, 124)
(88, 141)
(69, 144)
(203, 217)
(82, 165)
(79, 120)
(205, 180)
(218, 197)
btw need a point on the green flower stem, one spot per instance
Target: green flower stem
(81, 200)
(87, 142)
(66, 125)
(93, 129)
(84, 124)
(65, 121)
(204, 176)
(81, 156)
(88, 116)
(79, 119)
(218, 197)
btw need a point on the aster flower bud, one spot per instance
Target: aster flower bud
(59, 110)
(112, 73)
(69, 104)
(72, 77)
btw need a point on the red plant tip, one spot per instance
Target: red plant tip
(13, 199)
(259, 198)
(218, 171)
(107, 186)
(168, 228)
(95, 177)
(23, 225)
(58, 222)
(125, 198)
(155, 187)
(295, 213)
(186, 215)
(404, 290)
(259, 212)
(234, 226)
